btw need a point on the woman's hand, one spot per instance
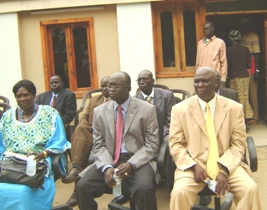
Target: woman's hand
(38, 156)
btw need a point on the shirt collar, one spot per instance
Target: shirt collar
(123, 105)
(212, 103)
(53, 94)
(210, 39)
(151, 94)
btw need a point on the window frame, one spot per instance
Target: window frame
(48, 56)
(177, 8)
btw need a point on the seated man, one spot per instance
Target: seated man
(125, 137)
(207, 141)
(163, 99)
(228, 93)
(63, 100)
(82, 139)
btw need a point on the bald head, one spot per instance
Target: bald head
(145, 81)
(205, 83)
(104, 86)
(120, 87)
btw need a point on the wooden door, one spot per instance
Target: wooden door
(265, 71)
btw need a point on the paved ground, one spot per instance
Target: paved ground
(259, 134)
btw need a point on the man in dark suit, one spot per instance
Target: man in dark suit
(162, 99)
(63, 100)
(82, 139)
(133, 153)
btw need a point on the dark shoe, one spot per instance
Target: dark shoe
(72, 176)
(122, 199)
(73, 200)
(204, 200)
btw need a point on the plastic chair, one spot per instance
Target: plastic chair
(180, 94)
(4, 100)
(161, 86)
(4, 107)
(87, 95)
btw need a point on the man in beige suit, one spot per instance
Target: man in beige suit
(137, 151)
(189, 145)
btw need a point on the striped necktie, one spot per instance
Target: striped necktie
(148, 99)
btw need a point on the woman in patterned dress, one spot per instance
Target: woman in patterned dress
(239, 63)
(27, 129)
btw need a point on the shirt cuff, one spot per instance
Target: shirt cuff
(106, 167)
(132, 164)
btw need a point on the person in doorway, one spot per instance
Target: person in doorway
(200, 154)
(125, 137)
(251, 40)
(82, 139)
(239, 63)
(63, 100)
(211, 51)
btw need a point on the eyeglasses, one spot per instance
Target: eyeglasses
(145, 79)
(116, 86)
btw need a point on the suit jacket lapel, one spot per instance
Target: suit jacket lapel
(47, 99)
(157, 97)
(132, 110)
(59, 97)
(140, 96)
(220, 113)
(196, 113)
(111, 120)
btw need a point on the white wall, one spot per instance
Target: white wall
(135, 39)
(10, 63)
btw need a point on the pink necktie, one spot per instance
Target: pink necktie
(53, 101)
(119, 130)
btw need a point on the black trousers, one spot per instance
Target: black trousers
(140, 185)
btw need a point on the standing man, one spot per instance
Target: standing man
(162, 99)
(63, 100)
(211, 51)
(125, 137)
(251, 40)
(82, 139)
(208, 141)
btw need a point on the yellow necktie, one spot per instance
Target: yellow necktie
(213, 157)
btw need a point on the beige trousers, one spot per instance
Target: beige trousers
(243, 187)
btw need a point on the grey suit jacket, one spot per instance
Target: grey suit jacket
(140, 134)
(163, 100)
(65, 104)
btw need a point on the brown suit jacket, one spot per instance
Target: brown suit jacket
(87, 118)
(189, 142)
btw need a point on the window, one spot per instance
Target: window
(177, 29)
(69, 51)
